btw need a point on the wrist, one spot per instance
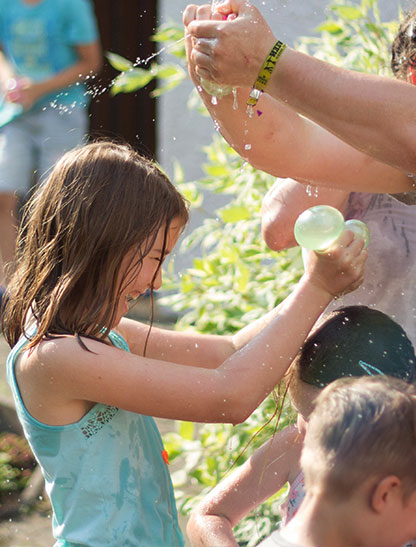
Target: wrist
(317, 288)
(264, 74)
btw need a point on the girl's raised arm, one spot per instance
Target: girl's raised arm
(60, 375)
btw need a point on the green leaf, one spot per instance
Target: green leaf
(348, 12)
(168, 32)
(234, 214)
(191, 193)
(118, 62)
(169, 71)
(186, 430)
(330, 26)
(135, 79)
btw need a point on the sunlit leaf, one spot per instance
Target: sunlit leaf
(118, 62)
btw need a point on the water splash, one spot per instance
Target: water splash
(235, 99)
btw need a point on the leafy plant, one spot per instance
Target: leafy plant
(132, 77)
(16, 464)
(237, 278)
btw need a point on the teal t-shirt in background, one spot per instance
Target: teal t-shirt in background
(39, 41)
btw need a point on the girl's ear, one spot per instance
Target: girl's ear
(385, 493)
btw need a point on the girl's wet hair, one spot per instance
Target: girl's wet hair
(100, 201)
(403, 51)
(355, 341)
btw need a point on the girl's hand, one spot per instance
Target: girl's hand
(229, 51)
(339, 269)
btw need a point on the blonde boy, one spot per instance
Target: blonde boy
(359, 461)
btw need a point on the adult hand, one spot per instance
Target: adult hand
(231, 51)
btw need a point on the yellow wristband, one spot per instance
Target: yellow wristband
(265, 73)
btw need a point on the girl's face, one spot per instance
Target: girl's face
(139, 279)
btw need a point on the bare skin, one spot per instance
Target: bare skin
(228, 376)
(336, 144)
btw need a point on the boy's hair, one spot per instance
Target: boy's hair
(354, 341)
(403, 49)
(360, 428)
(100, 201)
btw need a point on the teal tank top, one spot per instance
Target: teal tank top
(105, 475)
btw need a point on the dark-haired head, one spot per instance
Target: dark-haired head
(352, 341)
(355, 341)
(99, 203)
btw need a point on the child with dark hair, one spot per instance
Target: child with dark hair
(353, 341)
(86, 380)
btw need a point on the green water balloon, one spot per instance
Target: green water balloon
(318, 227)
(359, 228)
(214, 89)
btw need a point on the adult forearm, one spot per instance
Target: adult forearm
(374, 114)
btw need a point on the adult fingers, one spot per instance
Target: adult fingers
(202, 63)
(204, 28)
(239, 7)
(204, 12)
(189, 14)
(202, 45)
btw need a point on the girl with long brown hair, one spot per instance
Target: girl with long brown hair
(86, 380)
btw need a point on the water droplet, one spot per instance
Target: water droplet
(235, 99)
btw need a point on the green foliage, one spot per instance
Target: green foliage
(133, 77)
(210, 452)
(236, 278)
(354, 37)
(16, 464)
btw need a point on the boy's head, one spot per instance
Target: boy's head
(361, 443)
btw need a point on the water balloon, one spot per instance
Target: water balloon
(318, 227)
(214, 89)
(360, 229)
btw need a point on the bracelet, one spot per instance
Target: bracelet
(265, 73)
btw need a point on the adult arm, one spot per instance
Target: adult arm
(285, 201)
(371, 113)
(211, 523)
